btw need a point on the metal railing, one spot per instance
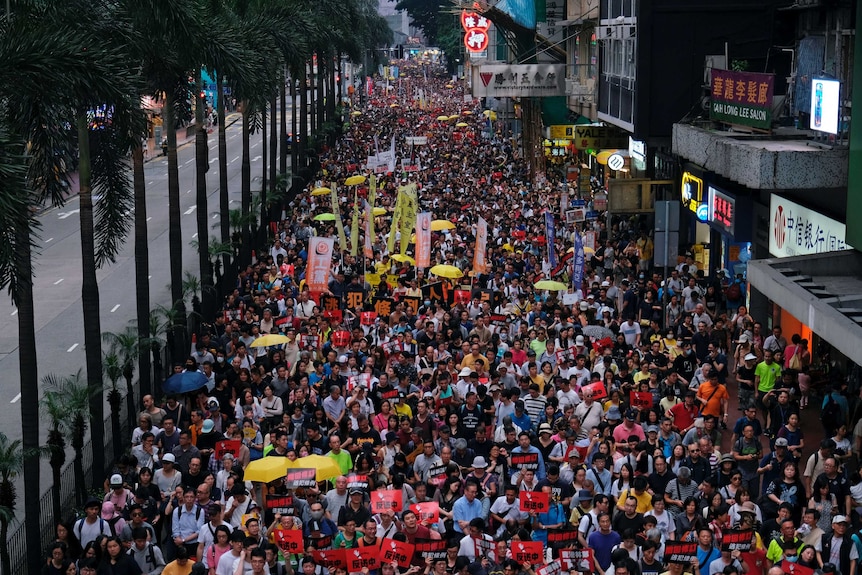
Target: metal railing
(16, 541)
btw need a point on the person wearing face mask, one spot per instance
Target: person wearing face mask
(319, 526)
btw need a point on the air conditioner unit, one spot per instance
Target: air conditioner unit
(618, 32)
(606, 32)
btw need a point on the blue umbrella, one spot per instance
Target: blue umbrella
(184, 382)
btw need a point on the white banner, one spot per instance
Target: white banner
(795, 230)
(514, 80)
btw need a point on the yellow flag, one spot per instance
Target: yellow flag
(339, 225)
(409, 211)
(354, 225)
(372, 197)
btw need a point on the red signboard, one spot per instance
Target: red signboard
(598, 389)
(289, 540)
(531, 552)
(533, 501)
(386, 500)
(641, 399)
(427, 512)
(398, 552)
(330, 558)
(362, 557)
(227, 446)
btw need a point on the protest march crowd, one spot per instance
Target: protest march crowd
(434, 409)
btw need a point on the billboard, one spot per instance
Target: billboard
(519, 80)
(795, 230)
(743, 98)
(825, 105)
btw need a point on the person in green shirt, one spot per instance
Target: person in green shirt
(341, 457)
(766, 374)
(347, 539)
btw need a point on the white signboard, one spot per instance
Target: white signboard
(516, 80)
(616, 162)
(795, 230)
(416, 140)
(825, 105)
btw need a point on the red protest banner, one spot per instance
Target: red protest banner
(355, 481)
(280, 504)
(598, 389)
(559, 538)
(736, 540)
(680, 551)
(641, 399)
(361, 557)
(398, 552)
(321, 542)
(300, 477)
(427, 512)
(227, 446)
(796, 569)
(387, 499)
(579, 560)
(532, 552)
(330, 558)
(288, 540)
(533, 501)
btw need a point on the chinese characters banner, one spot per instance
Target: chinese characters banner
(319, 263)
(743, 98)
(423, 239)
(480, 264)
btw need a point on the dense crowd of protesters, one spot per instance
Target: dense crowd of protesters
(614, 397)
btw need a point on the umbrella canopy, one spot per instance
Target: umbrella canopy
(466, 113)
(393, 105)
(326, 467)
(266, 469)
(596, 331)
(404, 259)
(355, 113)
(321, 192)
(461, 125)
(550, 285)
(439, 225)
(446, 271)
(454, 117)
(353, 180)
(184, 382)
(327, 217)
(490, 114)
(379, 211)
(270, 339)
(442, 118)
(589, 250)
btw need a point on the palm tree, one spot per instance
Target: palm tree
(12, 456)
(113, 370)
(126, 346)
(53, 408)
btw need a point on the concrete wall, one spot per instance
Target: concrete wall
(762, 164)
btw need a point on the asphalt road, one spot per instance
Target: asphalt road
(57, 268)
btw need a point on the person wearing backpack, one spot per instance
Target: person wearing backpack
(89, 527)
(838, 547)
(148, 557)
(188, 519)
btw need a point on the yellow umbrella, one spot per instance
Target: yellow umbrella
(266, 469)
(439, 225)
(326, 467)
(454, 117)
(379, 211)
(461, 124)
(466, 113)
(508, 247)
(355, 113)
(602, 157)
(327, 217)
(393, 105)
(550, 285)
(450, 86)
(403, 259)
(490, 114)
(321, 192)
(446, 271)
(442, 118)
(589, 250)
(354, 180)
(269, 339)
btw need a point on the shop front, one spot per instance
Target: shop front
(720, 222)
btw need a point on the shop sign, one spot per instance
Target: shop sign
(637, 149)
(722, 209)
(692, 191)
(519, 80)
(795, 230)
(475, 31)
(616, 162)
(743, 98)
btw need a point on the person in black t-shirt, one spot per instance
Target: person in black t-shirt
(364, 438)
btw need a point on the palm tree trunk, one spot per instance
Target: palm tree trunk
(90, 302)
(29, 376)
(114, 400)
(5, 560)
(322, 68)
(330, 92)
(340, 78)
(270, 207)
(264, 174)
(175, 234)
(312, 101)
(224, 200)
(296, 112)
(304, 119)
(57, 458)
(201, 169)
(245, 248)
(283, 150)
(142, 270)
(132, 413)
(78, 464)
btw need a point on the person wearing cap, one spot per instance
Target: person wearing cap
(628, 428)
(772, 464)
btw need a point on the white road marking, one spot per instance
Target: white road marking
(150, 183)
(14, 313)
(115, 308)
(71, 349)
(189, 162)
(58, 282)
(235, 159)
(256, 158)
(16, 398)
(214, 160)
(215, 216)
(149, 277)
(188, 191)
(49, 240)
(194, 235)
(256, 145)
(232, 202)
(149, 218)
(190, 210)
(64, 215)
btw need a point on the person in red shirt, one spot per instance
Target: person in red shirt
(413, 531)
(684, 414)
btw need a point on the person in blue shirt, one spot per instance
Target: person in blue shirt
(706, 551)
(553, 518)
(602, 541)
(467, 507)
(521, 418)
(525, 447)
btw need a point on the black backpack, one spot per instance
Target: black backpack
(831, 415)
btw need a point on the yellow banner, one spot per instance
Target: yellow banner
(339, 225)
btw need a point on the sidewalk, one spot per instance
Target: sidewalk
(186, 136)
